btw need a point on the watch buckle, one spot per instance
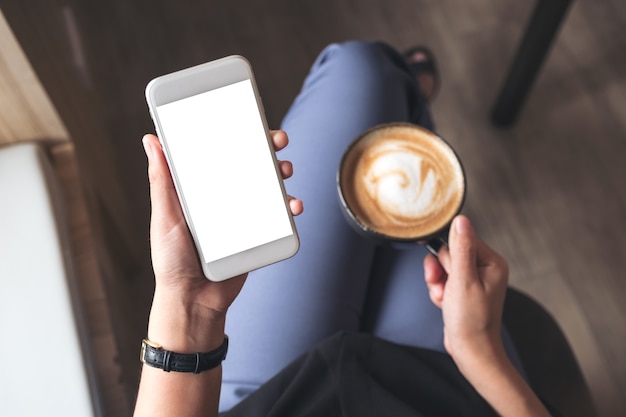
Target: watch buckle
(144, 343)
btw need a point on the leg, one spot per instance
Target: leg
(540, 33)
(285, 309)
(398, 306)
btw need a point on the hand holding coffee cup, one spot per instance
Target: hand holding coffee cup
(400, 182)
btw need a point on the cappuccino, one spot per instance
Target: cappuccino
(401, 181)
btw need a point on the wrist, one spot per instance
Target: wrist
(483, 370)
(183, 326)
(494, 377)
(479, 355)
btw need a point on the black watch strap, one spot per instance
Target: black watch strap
(154, 355)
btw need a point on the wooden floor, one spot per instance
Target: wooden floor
(549, 193)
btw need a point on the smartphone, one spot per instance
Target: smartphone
(212, 127)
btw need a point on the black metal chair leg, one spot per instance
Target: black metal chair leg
(540, 33)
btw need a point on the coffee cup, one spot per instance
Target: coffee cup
(401, 183)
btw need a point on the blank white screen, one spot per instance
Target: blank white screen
(217, 146)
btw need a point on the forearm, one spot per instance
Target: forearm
(180, 328)
(495, 378)
(177, 394)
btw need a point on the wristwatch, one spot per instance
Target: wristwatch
(154, 355)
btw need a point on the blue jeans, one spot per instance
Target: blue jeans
(338, 280)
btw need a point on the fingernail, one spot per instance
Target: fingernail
(463, 226)
(147, 146)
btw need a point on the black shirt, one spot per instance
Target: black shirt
(359, 375)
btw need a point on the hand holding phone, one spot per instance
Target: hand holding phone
(215, 138)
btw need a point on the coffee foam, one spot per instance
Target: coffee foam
(402, 181)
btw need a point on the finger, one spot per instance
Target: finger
(435, 277)
(296, 206)
(163, 196)
(444, 259)
(433, 271)
(485, 255)
(463, 250)
(435, 292)
(279, 139)
(489, 259)
(286, 169)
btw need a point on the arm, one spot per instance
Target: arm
(188, 311)
(468, 282)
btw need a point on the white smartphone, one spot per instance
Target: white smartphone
(211, 124)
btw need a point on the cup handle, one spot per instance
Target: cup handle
(434, 245)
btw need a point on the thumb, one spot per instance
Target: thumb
(163, 195)
(463, 250)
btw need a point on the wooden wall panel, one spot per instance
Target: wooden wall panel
(26, 112)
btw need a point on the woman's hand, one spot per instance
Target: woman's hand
(184, 299)
(188, 311)
(468, 282)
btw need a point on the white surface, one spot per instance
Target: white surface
(42, 371)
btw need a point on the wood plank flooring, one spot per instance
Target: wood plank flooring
(549, 193)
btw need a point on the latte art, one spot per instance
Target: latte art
(402, 181)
